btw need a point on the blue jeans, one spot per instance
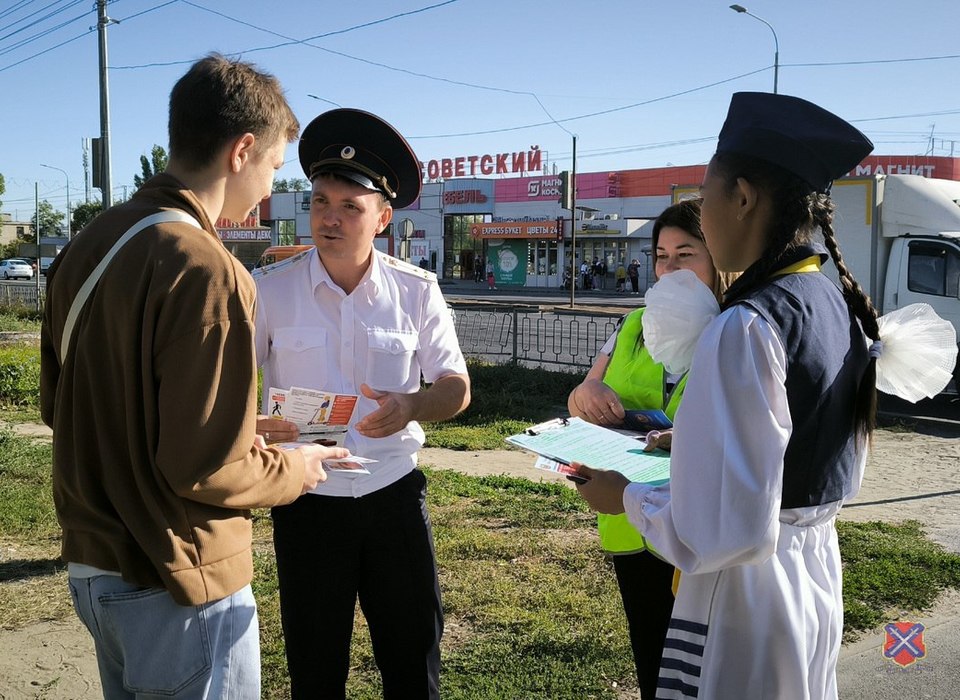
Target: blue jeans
(148, 646)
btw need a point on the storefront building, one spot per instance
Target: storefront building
(495, 211)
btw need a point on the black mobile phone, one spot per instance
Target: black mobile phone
(577, 478)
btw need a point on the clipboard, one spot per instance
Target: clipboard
(567, 440)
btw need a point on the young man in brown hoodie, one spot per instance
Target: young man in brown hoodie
(150, 386)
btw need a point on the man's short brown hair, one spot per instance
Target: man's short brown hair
(219, 100)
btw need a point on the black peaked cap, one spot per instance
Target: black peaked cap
(797, 135)
(364, 148)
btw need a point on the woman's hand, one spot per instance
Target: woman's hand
(659, 439)
(598, 403)
(602, 490)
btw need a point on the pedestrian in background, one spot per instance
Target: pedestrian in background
(633, 272)
(621, 277)
(150, 386)
(491, 280)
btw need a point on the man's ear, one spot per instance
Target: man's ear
(241, 151)
(386, 216)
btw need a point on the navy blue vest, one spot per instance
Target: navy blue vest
(826, 357)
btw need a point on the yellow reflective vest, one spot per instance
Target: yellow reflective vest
(640, 382)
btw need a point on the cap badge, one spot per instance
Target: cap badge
(348, 152)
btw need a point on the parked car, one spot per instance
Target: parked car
(32, 262)
(14, 268)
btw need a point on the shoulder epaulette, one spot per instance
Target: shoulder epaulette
(401, 266)
(278, 266)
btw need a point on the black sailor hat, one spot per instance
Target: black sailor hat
(799, 136)
(363, 148)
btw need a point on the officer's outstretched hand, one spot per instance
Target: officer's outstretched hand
(602, 489)
(395, 411)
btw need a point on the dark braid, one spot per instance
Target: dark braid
(798, 212)
(861, 306)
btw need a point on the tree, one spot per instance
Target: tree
(156, 164)
(3, 186)
(294, 184)
(84, 214)
(50, 223)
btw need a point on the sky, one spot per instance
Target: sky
(640, 83)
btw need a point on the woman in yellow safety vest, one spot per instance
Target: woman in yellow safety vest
(625, 377)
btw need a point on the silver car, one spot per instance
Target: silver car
(15, 269)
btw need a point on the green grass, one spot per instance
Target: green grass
(889, 568)
(531, 604)
(19, 375)
(506, 399)
(19, 318)
(25, 488)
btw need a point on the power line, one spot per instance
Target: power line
(42, 34)
(79, 36)
(52, 48)
(16, 6)
(38, 21)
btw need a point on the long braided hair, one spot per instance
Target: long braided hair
(797, 214)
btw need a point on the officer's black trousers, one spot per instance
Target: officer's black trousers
(378, 549)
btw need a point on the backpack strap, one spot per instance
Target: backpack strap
(87, 287)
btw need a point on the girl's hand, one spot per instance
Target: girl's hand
(659, 439)
(602, 490)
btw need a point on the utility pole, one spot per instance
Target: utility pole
(105, 182)
(85, 147)
(36, 205)
(573, 223)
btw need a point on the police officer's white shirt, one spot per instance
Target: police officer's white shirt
(394, 326)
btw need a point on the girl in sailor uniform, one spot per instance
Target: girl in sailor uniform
(772, 435)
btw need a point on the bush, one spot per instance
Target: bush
(19, 317)
(19, 376)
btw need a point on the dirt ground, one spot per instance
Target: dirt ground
(910, 475)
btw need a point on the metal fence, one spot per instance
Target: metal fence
(554, 338)
(19, 295)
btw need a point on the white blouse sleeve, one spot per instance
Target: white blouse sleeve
(722, 505)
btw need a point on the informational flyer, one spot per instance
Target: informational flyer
(315, 411)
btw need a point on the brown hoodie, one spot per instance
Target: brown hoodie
(154, 409)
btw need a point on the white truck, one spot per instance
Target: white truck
(900, 237)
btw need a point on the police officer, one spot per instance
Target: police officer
(346, 318)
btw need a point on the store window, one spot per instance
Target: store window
(541, 258)
(462, 253)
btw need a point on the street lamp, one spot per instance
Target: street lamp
(68, 197)
(776, 44)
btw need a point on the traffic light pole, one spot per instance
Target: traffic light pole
(573, 224)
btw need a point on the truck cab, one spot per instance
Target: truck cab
(900, 237)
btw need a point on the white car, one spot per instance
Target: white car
(15, 269)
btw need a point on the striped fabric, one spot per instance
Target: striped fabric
(682, 657)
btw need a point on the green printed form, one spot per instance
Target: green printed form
(575, 440)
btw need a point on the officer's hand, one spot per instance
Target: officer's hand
(395, 411)
(598, 403)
